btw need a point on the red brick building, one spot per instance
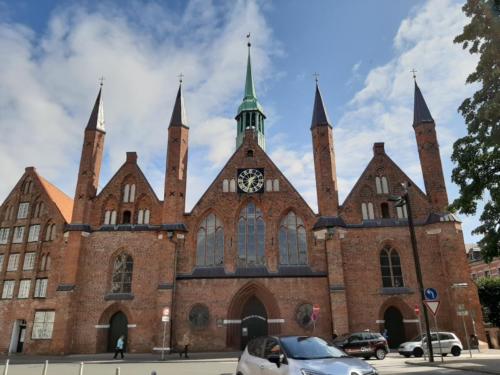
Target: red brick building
(250, 258)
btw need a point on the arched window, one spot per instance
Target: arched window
(113, 217)
(28, 186)
(107, 217)
(402, 212)
(126, 193)
(50, 232)
(390, 267)
(43, 262)
(292, 240)
(384, 208)
(232, 185)
(126, 217)
(122, 274)
(143, 216)
(210, 242)
(251, 236)
(132, 193)
(38, 210)
(367, 211)
(382, 185)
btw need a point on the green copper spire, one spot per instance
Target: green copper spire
(250, 112)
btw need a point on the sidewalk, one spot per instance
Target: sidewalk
(487, 362)
(15, 359)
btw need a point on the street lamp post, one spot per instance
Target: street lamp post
(401, 201)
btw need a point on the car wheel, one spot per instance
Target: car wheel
(418, 352)
(455, 351)
(380, 354)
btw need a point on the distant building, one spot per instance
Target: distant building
(478, 267)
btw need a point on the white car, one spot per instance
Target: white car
(298, 355)
(450, 343)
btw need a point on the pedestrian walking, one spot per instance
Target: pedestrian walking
(184, 344)
(120, 343)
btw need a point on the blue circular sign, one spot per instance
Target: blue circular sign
(431, 294)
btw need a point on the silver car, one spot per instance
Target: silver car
(298, 355)
(449, 342)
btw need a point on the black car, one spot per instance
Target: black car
(363, 344)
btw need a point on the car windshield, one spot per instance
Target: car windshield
(417, 338)
(309, 348)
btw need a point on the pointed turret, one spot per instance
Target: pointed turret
(250, 113)
(324, 159)
(421, 112)
(179, 117)
(86, 190)
(96, 120)
(177, 159)
(319, 117)
(428, 152)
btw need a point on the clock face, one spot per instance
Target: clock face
(251, 180)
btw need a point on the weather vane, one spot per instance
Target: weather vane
(101, 81)
(316, 77)
(180, 77)
(413, 71)
(248, 38)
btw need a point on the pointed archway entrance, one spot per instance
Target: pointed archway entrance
(393, 320)
(118, 326)
(253, 312)
(253, 321)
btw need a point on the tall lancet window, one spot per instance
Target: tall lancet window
(251, 236)
(122, 274)
(293, 243)
(210, 242)
(390, 267)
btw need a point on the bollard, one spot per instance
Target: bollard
(117, 371)
(45, 367)
(81, 368)
(6, 368)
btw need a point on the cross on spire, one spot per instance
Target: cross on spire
(101, 81)
(413, 71)
(248, 39)
(181, 76)
(316, 77)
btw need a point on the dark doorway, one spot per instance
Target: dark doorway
(117, 327)
(127, 217)
(395, 327)
(253, 321)
(385, 210)
(22, 336)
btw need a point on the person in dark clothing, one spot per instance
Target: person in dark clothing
(120, 343)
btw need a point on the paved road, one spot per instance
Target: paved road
(393, 364)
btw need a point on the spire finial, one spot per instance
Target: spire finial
(413, 71)
(181, 76)
(248, 40)
(316, 77)
(101, 81)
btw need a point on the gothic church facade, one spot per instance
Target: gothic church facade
(250, 258)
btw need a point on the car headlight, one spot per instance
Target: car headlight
(305, 371)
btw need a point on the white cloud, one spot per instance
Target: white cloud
(48, 84)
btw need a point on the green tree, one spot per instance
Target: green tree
(477, 155)
(489, 295)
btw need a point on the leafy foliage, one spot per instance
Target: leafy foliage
(477, 155)
(489, 295)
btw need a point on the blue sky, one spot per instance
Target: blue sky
(363, 50)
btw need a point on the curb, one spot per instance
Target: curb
(473, 369)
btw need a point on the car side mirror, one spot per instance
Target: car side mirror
(277, 359)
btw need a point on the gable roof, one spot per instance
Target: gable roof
(140, 175)
(62, 201)
(392, 164)
(267, 159)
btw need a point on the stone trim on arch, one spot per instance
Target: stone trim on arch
(235, 309)
(411, 328)
(104, 320)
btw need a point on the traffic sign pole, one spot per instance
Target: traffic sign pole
(439, 339)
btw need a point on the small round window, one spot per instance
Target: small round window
(199, 316)
(303, 315)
